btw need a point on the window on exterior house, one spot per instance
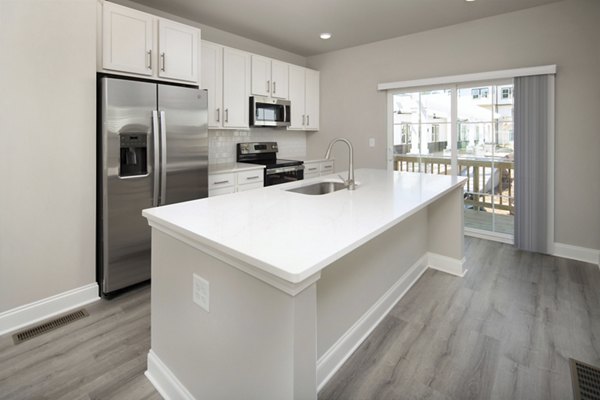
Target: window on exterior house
(506, 93)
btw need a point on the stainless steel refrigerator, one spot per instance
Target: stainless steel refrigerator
(152, 151)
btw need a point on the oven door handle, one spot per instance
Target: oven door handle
(284, 169)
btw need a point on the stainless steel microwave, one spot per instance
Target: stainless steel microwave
(265, 111)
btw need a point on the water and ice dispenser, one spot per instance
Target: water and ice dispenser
(133, 154)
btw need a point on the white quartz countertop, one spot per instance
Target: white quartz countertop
(232, 167)
(293, 235)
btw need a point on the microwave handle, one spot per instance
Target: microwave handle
(285, 113)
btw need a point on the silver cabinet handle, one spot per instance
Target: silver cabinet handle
(218, 115)
(303, 119)
(252, 177)
(274, 87)
(268, 86)
(220, 182)
(149, 52)
(312, 169)
(162, 58)
(227, 115)
(307, 120)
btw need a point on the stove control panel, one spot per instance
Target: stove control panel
(257, 147)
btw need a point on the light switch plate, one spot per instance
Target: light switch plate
(371, 142)
(201, 292)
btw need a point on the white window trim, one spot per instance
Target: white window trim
(480, 76)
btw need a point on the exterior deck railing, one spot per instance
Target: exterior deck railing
(490, 183)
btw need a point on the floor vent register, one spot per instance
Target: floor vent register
(48, 326)
(586, 380)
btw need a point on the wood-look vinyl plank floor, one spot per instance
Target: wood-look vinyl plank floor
(504, 331)
(102, 356)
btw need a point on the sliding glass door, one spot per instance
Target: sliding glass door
(465, 130)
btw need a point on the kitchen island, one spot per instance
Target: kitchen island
(264, 294)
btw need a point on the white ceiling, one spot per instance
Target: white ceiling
(295, 25)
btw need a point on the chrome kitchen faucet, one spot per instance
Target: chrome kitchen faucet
(350, 182)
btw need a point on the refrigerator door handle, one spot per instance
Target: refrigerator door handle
(156, 172)
(163, 159)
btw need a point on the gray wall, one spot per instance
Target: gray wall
(565, 33)
(47, 150)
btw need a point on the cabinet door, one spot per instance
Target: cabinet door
(312, 169)
(261, 76)
(211, 73)
(127, 40)
(312, 100)
(279, 79)
(177, 51)
(236, 88)
(297, 97)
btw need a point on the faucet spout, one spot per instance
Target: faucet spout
(350, 184)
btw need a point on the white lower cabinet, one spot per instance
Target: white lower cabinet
(221, 183)
(314, 169)
(231, 182)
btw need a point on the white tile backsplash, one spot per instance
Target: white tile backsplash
(222, 143)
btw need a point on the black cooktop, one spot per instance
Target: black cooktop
(263, 153)
(275, 163)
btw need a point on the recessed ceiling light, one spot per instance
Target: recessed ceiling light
(469, 1)
(325, 35)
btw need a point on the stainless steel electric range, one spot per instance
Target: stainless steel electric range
(276, 170)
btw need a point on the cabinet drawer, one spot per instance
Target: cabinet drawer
(311, 168)
(250, 186)
(217, 181)
(252, 176)
(327, 168)
(219, 191)
(311, 175)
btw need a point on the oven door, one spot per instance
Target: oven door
(275, 176)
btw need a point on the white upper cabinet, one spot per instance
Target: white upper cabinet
(280, 79)
(304, 98)
(269, 77)
(137, 43)
(311, 106)
(261, 76)
(225, 74)
(297, 97)
(127, 40)
(212, 80)
(178, 51)
(236, 88)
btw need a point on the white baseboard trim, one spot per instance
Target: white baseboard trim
(40, 310)
(446, 264)
(164, 381)
(333, 359)
(584, 254)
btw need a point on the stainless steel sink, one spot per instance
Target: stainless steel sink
(319, 188)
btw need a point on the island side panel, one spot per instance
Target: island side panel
(446, 232)
(247, 346)
(350, 286)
